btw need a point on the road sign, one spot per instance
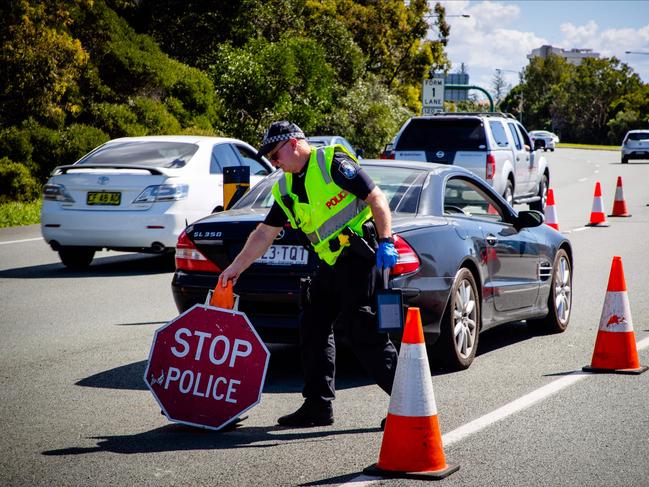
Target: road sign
(206, 367)
(433, 95)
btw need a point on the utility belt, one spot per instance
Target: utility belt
(363, 246)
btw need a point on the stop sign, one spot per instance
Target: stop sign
(206, 367)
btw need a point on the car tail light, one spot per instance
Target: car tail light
(188, 257)
(57, 192)
(491, 166)
(387, 155)
(162, 192)
(407, 261)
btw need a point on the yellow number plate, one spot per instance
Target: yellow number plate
(104, 198)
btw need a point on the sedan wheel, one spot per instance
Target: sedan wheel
(76, 258)
(460, 325)
(559, 299)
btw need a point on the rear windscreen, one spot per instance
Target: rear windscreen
(639, 136)
(137, 153)
(401, 186)
(445, 134)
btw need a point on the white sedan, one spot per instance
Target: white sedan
(138, 193)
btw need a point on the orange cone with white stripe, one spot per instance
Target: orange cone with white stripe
(615, 349)
(597, 216)
(551, 211)
(412, 442)
(619, 205)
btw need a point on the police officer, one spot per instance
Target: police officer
(346, 217)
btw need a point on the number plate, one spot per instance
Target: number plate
(104, 198)
(285, 255)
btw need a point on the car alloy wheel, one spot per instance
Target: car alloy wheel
(559, 298)
(542, 194)
(509, 193)
(460, 325)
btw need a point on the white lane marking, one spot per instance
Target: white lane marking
(582, 180)
(580, 229)
(20, 241)
(501, 413)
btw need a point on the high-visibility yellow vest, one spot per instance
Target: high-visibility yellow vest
(330, 208)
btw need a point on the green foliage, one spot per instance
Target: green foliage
(15, 213)
(369, 115)
(629, 112)
(155, 116)
(117, 119)
(76, 141)
(16, 182)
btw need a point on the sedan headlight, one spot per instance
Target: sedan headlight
(56, 192)
(162, 192)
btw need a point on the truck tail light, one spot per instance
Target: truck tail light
(188, 257)
(491, 167)
(407, 261)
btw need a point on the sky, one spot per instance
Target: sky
(500, 34)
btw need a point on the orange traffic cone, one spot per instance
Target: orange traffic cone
(615, 349)
(597, 216)
(222, 297)
(550, 211)
(619, 205)
(412, 442)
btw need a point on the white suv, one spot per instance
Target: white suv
(495, 146)
(635, 145)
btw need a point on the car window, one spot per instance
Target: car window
(639, 136)
(525, 136)
(222, 156)
(514, 132)
(498, 131)
(443, 133)
(249, 159)
(139, 153)
(464, 198)
(401, 186)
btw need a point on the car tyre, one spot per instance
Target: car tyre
(508, 194)
(559, 298)
(543, 194)
(76, 258)
(625, 160)
(460, 326)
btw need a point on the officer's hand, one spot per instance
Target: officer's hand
(386, 255)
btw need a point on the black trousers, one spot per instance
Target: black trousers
(343, 293)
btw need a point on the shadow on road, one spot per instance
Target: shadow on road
(503, 336)
(284, 373)
(175, 437)
(119, 265)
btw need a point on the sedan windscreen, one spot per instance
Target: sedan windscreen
(443, 133)
(401, 186)
(150, 154)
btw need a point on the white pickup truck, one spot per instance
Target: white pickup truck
(495, 146)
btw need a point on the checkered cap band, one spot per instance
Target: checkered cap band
(278, 138)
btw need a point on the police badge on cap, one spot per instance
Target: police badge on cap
(279, 132)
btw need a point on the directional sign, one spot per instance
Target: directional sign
(207, 367)
(433, 95)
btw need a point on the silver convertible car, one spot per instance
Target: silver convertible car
(467, 259)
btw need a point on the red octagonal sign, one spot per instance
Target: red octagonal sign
(206, 367)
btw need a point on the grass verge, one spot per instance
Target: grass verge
(563, 145)
(14, 214)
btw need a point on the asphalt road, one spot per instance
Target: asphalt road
(75, 410)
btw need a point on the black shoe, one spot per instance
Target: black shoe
(309, 414)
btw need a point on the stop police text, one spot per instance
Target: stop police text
(219, 351)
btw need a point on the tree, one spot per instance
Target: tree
(499, 86)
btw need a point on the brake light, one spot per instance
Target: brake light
(491, 166)
(387, 155)
(407, 261)
(189, 258)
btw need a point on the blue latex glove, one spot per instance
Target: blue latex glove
(386, 255)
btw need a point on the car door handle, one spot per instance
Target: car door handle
(492, 240)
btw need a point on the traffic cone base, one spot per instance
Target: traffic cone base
(376, 471)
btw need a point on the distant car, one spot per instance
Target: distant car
(492, 145)
(635, 145)
(138, 193)
(465, 258)
(320, 140)
(549, 139)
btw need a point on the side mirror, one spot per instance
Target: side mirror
(539, 144)
(528, 219)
